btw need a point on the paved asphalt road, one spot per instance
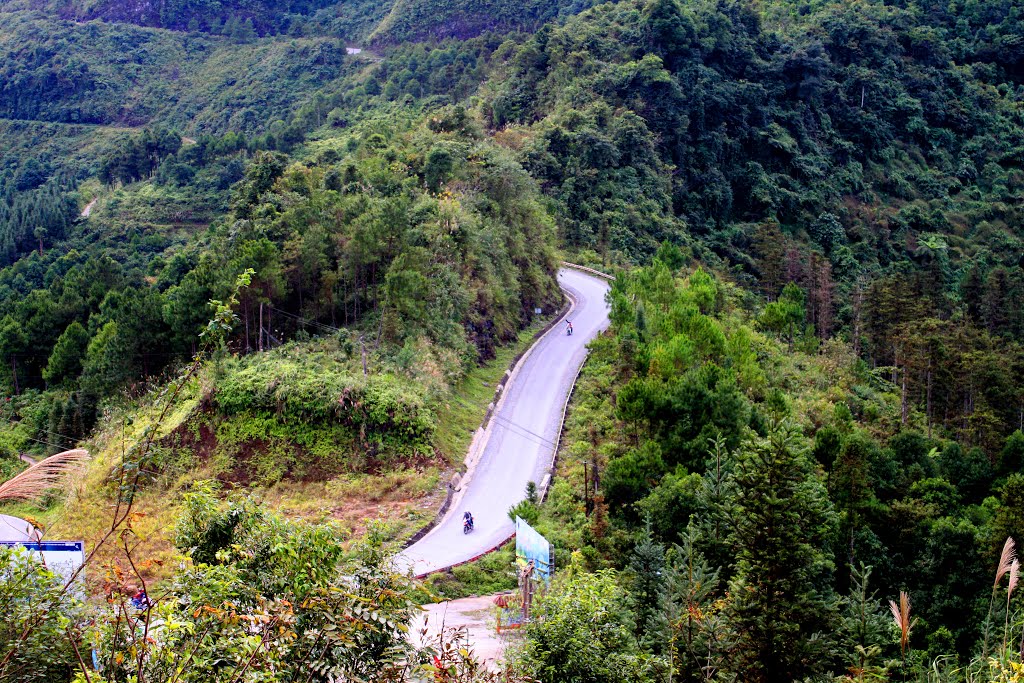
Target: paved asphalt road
(523, 434)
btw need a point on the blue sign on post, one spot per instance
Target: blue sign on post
(531, 546)
(60, 557)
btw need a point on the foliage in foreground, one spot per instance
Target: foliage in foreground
(257, 598)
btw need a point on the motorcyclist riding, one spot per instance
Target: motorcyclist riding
(568, 327)
(467, 522)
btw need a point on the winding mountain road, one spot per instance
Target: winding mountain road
(521, 436)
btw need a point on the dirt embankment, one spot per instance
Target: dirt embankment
(475, 619)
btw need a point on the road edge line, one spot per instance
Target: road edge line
(470, 471)
(546, 482)
(550, 475)
(483, 435)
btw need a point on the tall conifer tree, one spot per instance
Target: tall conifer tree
(780, 613)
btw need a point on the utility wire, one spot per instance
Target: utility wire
(271, 337)
(45, 443)
(10, 418)
(307, 321)
(519, 430)
(513, 426)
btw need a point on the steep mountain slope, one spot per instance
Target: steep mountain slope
(414, 20)
(731, 124)
(116, 74)
(349, 18)
(75, 93)
(837, 148)
(843, 152)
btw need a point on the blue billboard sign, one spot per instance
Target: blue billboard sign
(532, 547)
(61, 557)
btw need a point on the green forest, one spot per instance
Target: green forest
(265, 258)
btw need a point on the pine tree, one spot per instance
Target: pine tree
(246, 32)
(995, 301)
(647, 591)
(13, 343)
(65, 360)
(231, 26)
(716, 513)
(769, 252)
(699, 638)
(786, 316)
(106, 365)
(779, 616)
(972, 290)
(865, 627)
(819, 297)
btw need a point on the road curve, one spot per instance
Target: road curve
(523, 433)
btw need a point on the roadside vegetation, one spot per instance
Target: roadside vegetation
(710, 465)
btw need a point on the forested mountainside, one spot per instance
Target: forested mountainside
(368, 244)
(352, 18)
(847, 134)
(844, 151)
(282, 247)
(382, 22)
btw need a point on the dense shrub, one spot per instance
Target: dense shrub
(312, 389)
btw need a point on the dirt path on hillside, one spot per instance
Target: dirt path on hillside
(476, 618)
(88, 207)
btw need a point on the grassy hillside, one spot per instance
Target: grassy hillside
(77, 93)
(310, 460)
(117, 74)
(396, 266)
(348, 18)
(416, 20)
